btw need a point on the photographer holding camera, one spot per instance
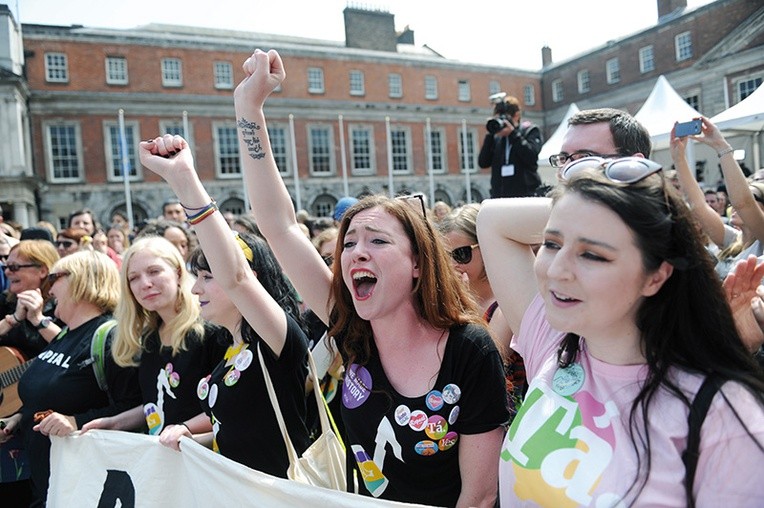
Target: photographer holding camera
(511, 149)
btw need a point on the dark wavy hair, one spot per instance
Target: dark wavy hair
(439, 296)
(687, 324)
(269, 274)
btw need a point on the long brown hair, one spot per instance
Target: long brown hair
(440, 297)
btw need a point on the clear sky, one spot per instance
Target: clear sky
(504, 32)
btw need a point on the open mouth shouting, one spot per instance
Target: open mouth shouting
(363, 284)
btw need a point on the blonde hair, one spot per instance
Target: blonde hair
(93, 278)
(136, 323)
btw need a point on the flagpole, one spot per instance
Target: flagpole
(465, 159)
(297, 197)
(390, 187)
(430, 169)
(125, 168)
(345, 187)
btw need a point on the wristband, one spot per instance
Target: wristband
(15, 318)
(725, 152)
(186, 426)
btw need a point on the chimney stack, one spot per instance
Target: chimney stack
(669, 7)
(546, 56)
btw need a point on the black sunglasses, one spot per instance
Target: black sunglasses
(16, 268)
(463, 255)
(420, 197)
(66, 244)
(328, 259)
(53, 277)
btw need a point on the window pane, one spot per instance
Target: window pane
(494, 87)
(683, 46)
(747, 87)
(315, 80)
(613, 71)
(64, 158)
(583, 81)
(395, 85)
(56, 68)
(116, 150)
(172, 72)
(464, 90)
(430, 87)
(398, 140)
(356, 83)
(116, 70)
(436, 148)
(277, 136)
(228, 151)
(646, 59)
(360, 145)
(529, 94)
(320, 150)
(223, 75)
(557, 91)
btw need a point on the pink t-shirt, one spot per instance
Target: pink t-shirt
(575, 449)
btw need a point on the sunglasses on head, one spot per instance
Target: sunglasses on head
(15, 268)
(420, 197)
(66, 244)
(623, 170)
(463, 255)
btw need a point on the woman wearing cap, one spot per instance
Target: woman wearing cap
(620, 319)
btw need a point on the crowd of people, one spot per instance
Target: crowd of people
(524, 351)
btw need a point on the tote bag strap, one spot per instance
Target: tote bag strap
(291, 452)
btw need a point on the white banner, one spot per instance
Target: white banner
(103, 468)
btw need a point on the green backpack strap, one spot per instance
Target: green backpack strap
(98, 352)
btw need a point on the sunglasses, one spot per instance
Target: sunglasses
(53, 277)
(623, 170)
(463, 255)
(328, 259)
(16, 268)
(420, 197)
(66, 244)
(558, 160)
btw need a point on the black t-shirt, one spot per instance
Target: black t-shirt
(168, 383)
(236, 399)
(407, 449)
(62, 379)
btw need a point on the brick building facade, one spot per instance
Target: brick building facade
(375, 104)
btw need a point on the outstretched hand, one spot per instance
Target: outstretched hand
(744, 295)
(264, 72)
(711, 136)
(168, 156)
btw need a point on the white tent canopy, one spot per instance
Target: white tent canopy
(747, 118)
(747, 115)
(553, 145)
(662, 108)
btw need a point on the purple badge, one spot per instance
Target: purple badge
(356, 387)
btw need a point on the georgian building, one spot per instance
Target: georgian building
(350, 118)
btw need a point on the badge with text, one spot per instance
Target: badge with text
(568, 380)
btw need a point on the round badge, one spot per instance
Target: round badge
(418, 420)
(213, 395)
(437, 426)
(569, 380)
(426, 448)
(453, 415)
(203, 388)
(232, 377)
(451, 393)
(434, 400)
(243, 360)
(448, 441)
(356, 387)
(402, 415)
(168, 368)
(174, 379)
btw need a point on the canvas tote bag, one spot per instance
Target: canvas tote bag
(323, 463)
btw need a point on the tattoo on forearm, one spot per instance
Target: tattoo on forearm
(251, 138)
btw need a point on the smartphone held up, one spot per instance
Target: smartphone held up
(691, 128)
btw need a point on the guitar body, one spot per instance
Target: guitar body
(12, 365)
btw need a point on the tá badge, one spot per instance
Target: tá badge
(568, 380)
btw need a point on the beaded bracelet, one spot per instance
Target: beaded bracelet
(725, 152)
(203, 214)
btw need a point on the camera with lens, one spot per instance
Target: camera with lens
(494, 125)
(501, 111)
